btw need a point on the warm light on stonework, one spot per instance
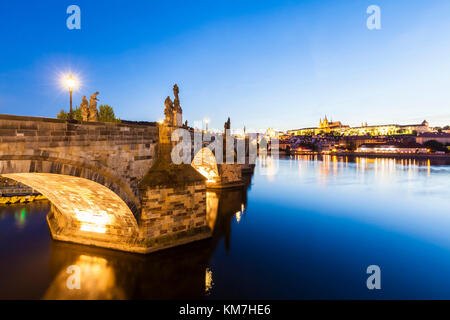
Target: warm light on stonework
(93, 221)
(210, 175)
(205, 163)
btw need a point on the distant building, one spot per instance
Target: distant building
(272, 133)
(326, 126)
(443, 137)
(392, 148)
(388, 129)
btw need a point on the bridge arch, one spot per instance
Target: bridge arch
(83, 211)
(205, 163)
(80, 168)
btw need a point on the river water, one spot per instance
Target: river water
(305, 227)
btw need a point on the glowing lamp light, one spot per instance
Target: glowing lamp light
(70, 82)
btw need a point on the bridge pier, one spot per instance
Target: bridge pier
(173, 200)
(230, 176)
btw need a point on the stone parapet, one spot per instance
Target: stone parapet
(113, 154)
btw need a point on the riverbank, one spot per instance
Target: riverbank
(21, 199)
(419, 156)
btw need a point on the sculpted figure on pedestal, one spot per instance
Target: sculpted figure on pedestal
(176, 102)
(168, 111)
(84, 109)
(93, 112)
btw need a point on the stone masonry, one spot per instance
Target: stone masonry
(114, 155)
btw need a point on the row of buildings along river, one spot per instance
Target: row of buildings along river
(333, 136)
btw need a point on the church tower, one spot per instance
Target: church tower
(325, 122)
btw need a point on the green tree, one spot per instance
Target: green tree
(106, 114)
(435, 145)
(63, 115)
(351, 145)
(77, 114)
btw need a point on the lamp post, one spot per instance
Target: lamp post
(70, 83)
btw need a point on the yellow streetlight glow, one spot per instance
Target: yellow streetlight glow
(71, 82)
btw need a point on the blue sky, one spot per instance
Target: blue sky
(266, 63)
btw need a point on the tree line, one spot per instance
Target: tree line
(105, 114)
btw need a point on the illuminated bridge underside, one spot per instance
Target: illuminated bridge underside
(205, 163)
(84, 211)
(218, 176)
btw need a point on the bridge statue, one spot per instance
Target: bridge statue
(227, 125)
(176, 102)
(168, 111)
(84, 109)
(93, 112)
(177, 111)
(173, 112)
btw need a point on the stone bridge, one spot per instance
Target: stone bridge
(111, 184)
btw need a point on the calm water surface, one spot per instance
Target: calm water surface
(305, 228)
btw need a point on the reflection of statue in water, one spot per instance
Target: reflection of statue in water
(84, 109)
(93, 112)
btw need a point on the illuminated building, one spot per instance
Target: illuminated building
(326, 126)
(388, 129)
(392, 148)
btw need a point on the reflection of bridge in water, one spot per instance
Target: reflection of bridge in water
(113, 185)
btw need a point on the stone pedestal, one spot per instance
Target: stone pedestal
(174, 215)
(173, 201)
(230, 176)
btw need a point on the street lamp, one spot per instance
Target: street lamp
(71, 84)
(206, 122)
